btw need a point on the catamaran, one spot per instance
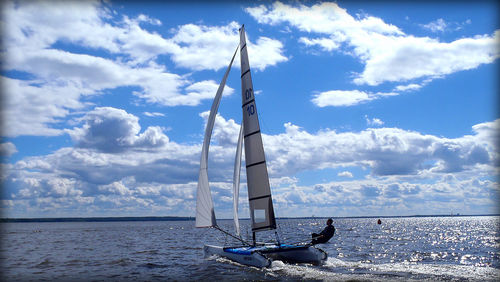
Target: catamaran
(259, 193)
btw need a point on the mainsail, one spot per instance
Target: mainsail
(205, 214)
(259, 192)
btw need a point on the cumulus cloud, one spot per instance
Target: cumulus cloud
(7, 149)
(199, 91)
(26, 112)
(225, 132)
(339, 98)
(113, 162)
(367, 38)
(326, 44)
(36, 45)
(345, 174)
(142, 170)
(114, 130)
(149, 171)
(373, 121)
(421, 57)
(383, 196)
(386, 151)
(202, 47)
(325, 17)
(197, 47)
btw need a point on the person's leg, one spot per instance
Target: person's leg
(314, 240)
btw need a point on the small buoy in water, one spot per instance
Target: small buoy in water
(379, 221)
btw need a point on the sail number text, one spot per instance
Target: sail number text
(251, 109)
(248, 93)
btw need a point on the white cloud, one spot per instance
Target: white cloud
(33, 34)
(32, 109)
(116, 187)
(386, 151)
(37, 25)
(340, 98)
(409, 87)
(389, 55)
(266, 52)
(199, 91)
(345, 174)
(113, 130)
(383, 196)
(154, 114)
(373, 121)
(115, 164)
(325, 17)
(59, 79)
(202, 47)
(416, 57)
(438, 25)
(7, 149)
(326, 43)
(225, 132)
(160, 176)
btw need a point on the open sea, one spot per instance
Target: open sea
(458, 248)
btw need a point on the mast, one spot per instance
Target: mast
(259, 192)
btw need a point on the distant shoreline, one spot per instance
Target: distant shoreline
(99, 219)
(188, 218)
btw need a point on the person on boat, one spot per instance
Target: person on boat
(325, 235)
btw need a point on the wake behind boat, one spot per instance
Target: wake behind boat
(259, 193)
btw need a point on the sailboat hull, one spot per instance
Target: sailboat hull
(297, 254)
(243, 255)
(261, 256)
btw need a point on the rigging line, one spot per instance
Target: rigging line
(225, 240)
(235, 237)
(305, 243)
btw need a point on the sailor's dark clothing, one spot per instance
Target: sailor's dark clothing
(326, 234)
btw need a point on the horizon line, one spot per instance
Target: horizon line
(191, 218)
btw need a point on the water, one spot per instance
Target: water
(428, 248)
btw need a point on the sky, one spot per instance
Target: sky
(366, 108)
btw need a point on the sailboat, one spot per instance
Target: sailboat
(259, 193)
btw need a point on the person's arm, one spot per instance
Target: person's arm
(324, 232)
(328, 232)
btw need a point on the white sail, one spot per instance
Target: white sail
(236, 181)
(259, 192)
(205, 214)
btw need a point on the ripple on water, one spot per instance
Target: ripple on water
(465, 248)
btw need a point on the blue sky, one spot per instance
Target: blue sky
(366, 108)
